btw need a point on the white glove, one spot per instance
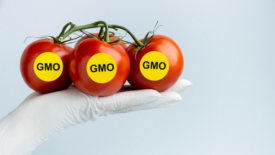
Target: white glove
(40, 116)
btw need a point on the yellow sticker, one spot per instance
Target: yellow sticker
(154, 65)
(101, 68)
(48, 66)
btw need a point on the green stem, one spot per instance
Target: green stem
(106, 39)
(140, 44)
(101, 33)
(64, 29)
(101, 24)
(76, 28)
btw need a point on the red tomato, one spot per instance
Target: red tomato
(89, 67)
(170, 50)
(40, 72)
(124, 46)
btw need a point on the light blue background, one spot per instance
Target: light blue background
(229, 51)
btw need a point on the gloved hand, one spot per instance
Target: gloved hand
(40, 116)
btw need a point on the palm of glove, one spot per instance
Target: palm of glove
(40, 116)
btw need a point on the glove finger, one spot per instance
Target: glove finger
(127, 99)
(180, 86)
(166, 99)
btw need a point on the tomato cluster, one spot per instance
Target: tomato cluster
(100, 63)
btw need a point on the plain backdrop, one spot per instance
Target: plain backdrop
(229, 51)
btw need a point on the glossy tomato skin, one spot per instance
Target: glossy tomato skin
(173, 53)
(27, 62)
(124, 46)
(78, 63)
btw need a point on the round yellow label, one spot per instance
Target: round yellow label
(154, 65)
(48, 66)
(101, 68)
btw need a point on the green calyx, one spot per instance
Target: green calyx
(104, 34)
(146, 40)
(101, 36)
(73, 28)
(54, 39)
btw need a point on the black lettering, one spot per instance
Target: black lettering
(102, 69)
(164, 66)
(154, 66)
(41, 66)
(56, 69)
(108, 68)
(93, 70)
(48, 67)
(147, 66)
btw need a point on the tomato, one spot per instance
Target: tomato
(98, 68)
(124, 46)
(155, 73)
(45, 66)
